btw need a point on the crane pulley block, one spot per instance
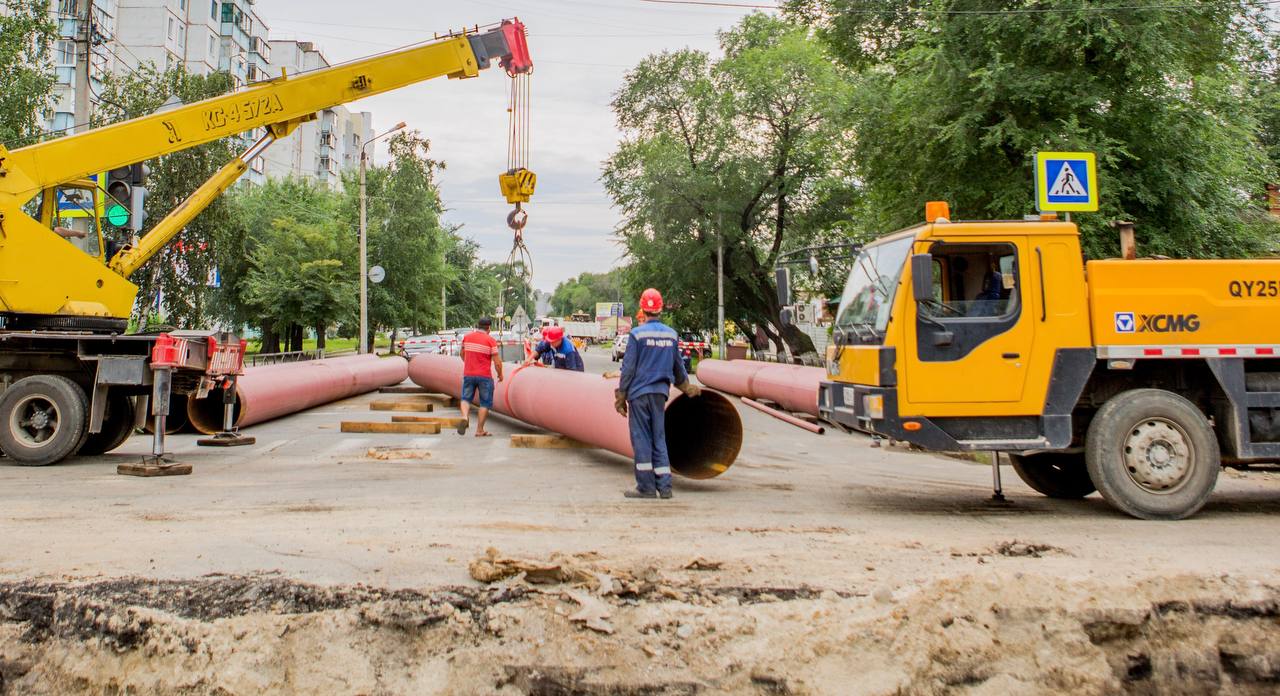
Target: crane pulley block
(517, 185)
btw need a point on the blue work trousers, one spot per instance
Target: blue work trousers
(646, 415)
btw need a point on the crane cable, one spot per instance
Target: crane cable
(518, 168)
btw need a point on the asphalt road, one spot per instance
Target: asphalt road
(796, 508)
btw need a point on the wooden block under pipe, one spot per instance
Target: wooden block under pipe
(406, 405)
(389, 428)
(443, 421)
(549, 441)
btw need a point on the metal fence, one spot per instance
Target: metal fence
(278, 358)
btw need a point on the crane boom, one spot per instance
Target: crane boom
(41, 275)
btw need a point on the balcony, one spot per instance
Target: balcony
(328, 166)
(328, 139)
(262, 48)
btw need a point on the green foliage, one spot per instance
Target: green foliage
(297, 274)
(749, 150)
(180, 273)
(951, 104)
(257, 217)
(582, 293)
(27, 33)
(405, 235)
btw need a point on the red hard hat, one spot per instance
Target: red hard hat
(651, 301)
(553, 333)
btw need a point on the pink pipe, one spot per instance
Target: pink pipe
(784, 417)
(793, 387)
(704, 435)
(271, 391)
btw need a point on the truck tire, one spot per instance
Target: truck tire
(117, 426)
(1055, 474)
(43, 420)
(1152, 454)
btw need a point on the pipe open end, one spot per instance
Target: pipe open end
(206, 414)
(704, 435)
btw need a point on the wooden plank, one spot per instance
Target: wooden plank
(444, 421)
(403, 389)
(442, 399)
(419, 406)
(553, 441)
(397, 428)
(148, 470)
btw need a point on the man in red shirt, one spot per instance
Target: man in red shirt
(479, 353)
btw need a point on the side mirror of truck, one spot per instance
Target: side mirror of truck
(922, 277)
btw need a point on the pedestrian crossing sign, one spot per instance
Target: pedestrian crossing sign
(1066, 182)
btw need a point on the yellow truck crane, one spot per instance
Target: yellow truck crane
(1137, 378)
(69, 372)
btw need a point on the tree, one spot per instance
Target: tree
(176, 279)
(473, 287)
(405, 235)
(747, 152)
(953, 98)
(257, 216)
(27, 33)
(297, 276)
(582, 293)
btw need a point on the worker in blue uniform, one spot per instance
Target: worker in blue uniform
(651, 365)
(557, 351)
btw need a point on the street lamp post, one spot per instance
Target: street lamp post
(364, 256)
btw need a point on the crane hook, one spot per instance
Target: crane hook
(517, 218)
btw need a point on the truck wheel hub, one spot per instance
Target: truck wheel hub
(34, 421)
(1158, 455)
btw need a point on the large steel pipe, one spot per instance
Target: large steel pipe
(793, 387)
(704, 434)
(272, 391)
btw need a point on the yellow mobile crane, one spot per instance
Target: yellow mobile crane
(1137, 378)
(68, 371)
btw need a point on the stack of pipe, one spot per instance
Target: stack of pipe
(704, 434)
(793, 387)
(272, 391)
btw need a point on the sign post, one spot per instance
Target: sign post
(1066, 182)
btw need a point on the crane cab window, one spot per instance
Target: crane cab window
(975, 298)
(74, 220)
(973, 281)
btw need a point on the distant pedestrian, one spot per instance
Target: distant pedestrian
(556, 351)
(652, 363)
(480, 354)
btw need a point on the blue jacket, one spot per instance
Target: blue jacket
(567, 358)
(652, 362)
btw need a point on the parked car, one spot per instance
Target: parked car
(620, 346)
(693, 344)
(442, 343)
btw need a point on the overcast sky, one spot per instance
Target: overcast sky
(581, 50)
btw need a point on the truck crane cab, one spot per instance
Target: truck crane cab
(1135, 378)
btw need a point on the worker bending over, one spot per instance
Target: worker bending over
(555, 351)
(651, 365)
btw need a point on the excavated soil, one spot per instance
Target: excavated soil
(574, 626)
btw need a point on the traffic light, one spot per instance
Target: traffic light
(126, 186)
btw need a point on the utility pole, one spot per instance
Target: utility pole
(83, 44)
(364, 255)
(364, 260)
(720, 286)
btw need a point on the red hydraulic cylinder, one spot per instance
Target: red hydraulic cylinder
(272, 391)
(704, 434)
(793, 387)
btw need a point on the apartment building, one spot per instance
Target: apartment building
(76, 36)
(321, 149)
(204, 36)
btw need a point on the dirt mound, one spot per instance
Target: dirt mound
(994, 633)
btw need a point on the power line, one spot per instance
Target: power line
(1013, 11)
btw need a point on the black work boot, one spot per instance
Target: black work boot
(634, 493)
(665, 495)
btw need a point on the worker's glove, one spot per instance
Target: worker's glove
(690, 389)
(620, 402)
